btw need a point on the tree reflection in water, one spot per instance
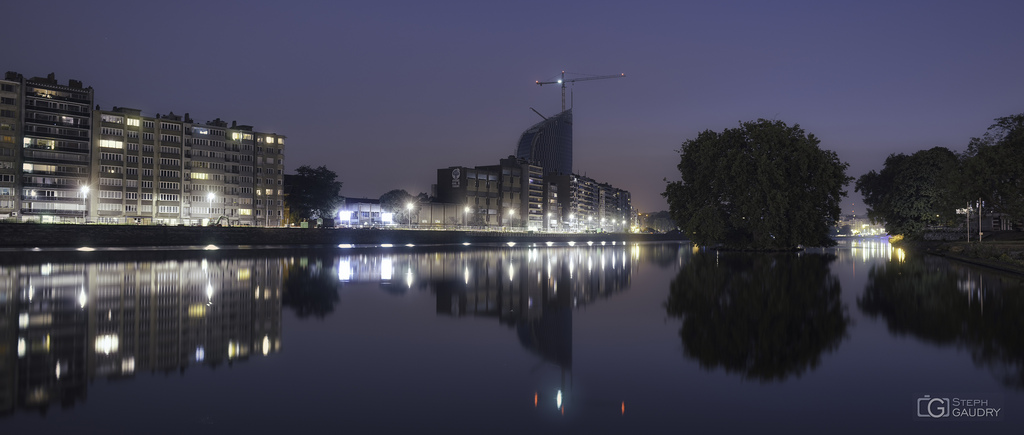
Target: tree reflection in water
(763, 316)
(310, 287)
(931, 300)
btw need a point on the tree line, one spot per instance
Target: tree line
(924, 189)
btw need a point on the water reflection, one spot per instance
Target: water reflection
(764, 317)
(531, 289)
(311, 287)
(63, 325)
(950, 305)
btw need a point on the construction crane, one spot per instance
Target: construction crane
(562, 81)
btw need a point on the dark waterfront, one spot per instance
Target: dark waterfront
(624, 338)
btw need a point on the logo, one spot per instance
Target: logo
(957, 408)
(933, 407)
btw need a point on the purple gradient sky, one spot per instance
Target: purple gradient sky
(384, 93)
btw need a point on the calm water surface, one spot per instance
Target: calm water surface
(637, 338)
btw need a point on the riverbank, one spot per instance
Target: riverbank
(1003, 250)
(31, 235)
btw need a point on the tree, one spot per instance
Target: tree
(994, 167)
(396, 201)
(314, 193)
(763, 185)
(914, 192)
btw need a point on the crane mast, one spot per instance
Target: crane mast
(562, 81)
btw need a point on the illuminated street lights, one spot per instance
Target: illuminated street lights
(409, 208)
(465, 217)
(85, 203)
(209, 198)
(511, 213)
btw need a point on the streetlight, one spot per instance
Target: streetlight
(209, 198)
(465, 217)
(511, 212)
(85, 203)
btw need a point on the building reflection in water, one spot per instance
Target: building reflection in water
(63, 325)
(533, 290)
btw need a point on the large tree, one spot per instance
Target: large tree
(914, 192)
(994, 167)
(395, 201)
(314, 193)
(763, 185)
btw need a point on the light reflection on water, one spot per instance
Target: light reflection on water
(571, 332)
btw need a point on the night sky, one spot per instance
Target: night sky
(384, 93)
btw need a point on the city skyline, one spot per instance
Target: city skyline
(420, 87)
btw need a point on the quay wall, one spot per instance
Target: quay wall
(30, 235)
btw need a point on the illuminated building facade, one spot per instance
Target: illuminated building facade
(588, 205)
(510, 194)
(10, 145)
(52, 123)
(61, 160)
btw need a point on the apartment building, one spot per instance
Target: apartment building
(62, 160)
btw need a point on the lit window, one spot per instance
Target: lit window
(106, 143)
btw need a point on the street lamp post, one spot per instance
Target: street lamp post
(465, 217)
(85, 203)
(209, 198)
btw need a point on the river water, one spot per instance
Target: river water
(623, 338)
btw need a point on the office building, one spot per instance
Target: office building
(511, 194)
(549, 143)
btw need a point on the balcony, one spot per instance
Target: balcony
(32, 211)
(58, 98)
(47, 109)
